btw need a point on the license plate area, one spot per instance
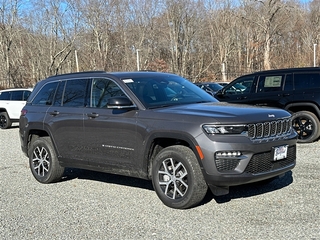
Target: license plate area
(280, 152)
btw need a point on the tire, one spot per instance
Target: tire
(5, 121)
(177, 177)
(307, 126)
(43, 161)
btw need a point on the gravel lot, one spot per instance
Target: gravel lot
(89, 205)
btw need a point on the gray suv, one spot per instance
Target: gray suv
(155, 126)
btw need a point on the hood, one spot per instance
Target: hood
(227, 113)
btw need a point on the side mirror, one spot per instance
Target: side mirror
(220, 92)
(120, 102)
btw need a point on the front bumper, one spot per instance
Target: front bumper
(254, 161)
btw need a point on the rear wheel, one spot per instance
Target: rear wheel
(177, 177)
(307, 126)
(5, 121)
(43, 161)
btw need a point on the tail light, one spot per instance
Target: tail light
(23, 112)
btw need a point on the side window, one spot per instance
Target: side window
(17, 95)
(270, 83)
(306, 80)
(102, 90)
(75, 93)
(240, 86)
(5, 96)
(46, 94)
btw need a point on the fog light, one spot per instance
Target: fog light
(228, 154)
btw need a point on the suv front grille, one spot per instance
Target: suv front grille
(269, 129)
(262, 162)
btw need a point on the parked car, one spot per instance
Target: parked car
(296, 90)
(155, 126)
(11, 103)
(209, 87)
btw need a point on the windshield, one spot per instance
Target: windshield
(166, 91)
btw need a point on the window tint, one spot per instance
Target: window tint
(75, 93)
(26, 94)
(270, 83)
(306, 80)
(102, 90)
(59, 94)
(17, 95)
(240, 86)
(46, 94)
(5, 96)
(288, 86)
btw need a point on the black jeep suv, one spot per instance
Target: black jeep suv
(156, 126)
(296, 90)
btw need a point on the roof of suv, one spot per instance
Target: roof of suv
(289, 70)
(15, 89)
(99, 73)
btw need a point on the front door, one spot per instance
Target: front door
(110, 133)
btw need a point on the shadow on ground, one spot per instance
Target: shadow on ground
(242, 191)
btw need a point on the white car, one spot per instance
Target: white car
(11, 103)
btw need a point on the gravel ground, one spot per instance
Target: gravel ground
(89, 205)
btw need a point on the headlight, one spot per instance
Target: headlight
(224, 129)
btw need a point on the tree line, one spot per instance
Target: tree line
(201, 40)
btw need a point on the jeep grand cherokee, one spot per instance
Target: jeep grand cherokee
(155, 126)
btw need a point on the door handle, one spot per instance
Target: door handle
(241, 98)
(54, 113)
(93, 115)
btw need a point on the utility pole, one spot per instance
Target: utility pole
(138, 60)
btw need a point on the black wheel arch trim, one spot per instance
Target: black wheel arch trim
(309, 104)
(175, 135)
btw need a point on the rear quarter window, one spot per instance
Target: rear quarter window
(45, 95)
(306, 80)
(5, 96)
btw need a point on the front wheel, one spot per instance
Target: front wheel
(5, 121)
(43, 161)
(177, 177)
(306, 125)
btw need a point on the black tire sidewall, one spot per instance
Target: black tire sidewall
(44, 143)
(8, 121)
(187, 158)
(315, 122)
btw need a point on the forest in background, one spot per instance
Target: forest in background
(201, 40)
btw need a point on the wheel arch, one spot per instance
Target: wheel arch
(34, 134)
(297, 107)
(3, 110)
(159, 141)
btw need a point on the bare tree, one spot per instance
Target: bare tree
(270, 16)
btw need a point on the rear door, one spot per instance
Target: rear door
(271, 90)
(65, 120)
